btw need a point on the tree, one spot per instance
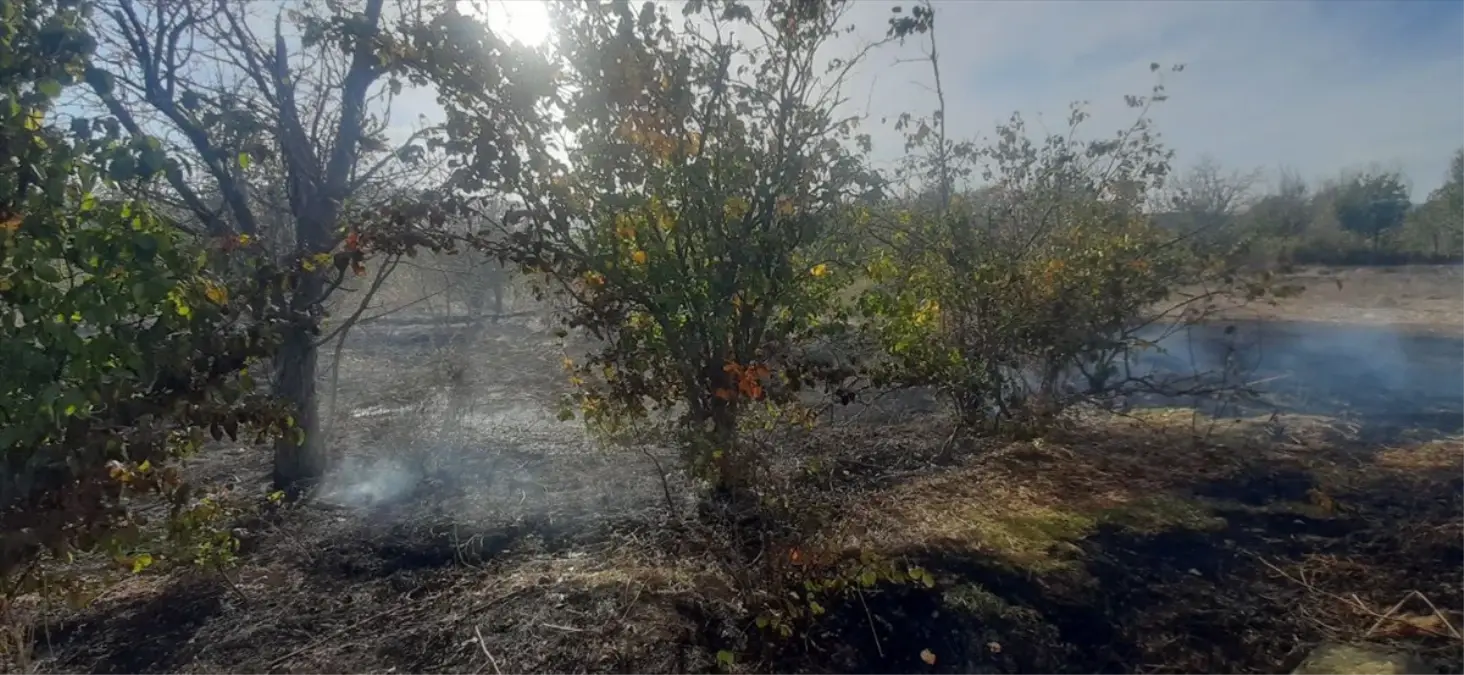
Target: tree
(1206, 198)
(683, 228)
(1287, 211)
(122, 344)
(1372, 204)
(1018, 299)
(232, 107)
(1440, 219)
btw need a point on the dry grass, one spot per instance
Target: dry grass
(1130, 543)
(1422, 297)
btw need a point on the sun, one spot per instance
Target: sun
(526, 21)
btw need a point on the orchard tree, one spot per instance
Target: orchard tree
(702, 164)
(269, 121)
(1017, 299)
(122, 346)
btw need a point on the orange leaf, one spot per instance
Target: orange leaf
(724, 394)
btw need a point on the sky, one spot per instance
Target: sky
(1318, 86)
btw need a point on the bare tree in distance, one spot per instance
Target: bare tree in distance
(1205, 199)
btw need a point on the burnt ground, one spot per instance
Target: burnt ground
(470, 531)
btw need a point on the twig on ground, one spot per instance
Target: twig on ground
(570, 629)
(1357, 602)
(483, 645)
(1406, 597)
(401, 615)
(665, 485)
(870, 615)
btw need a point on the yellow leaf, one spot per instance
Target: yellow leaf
(819, 270)
(215, 293)
(624, 227)
(141, 562)
(639, 257)
(735, 208)
(11, 225)
(927, 656)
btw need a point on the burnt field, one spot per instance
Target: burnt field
(469, 530)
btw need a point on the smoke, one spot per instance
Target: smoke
(1371, 373)
(445, 424)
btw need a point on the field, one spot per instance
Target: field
(468, 530)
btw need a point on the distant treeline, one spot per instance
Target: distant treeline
(1361, 218)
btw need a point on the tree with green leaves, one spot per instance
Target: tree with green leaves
(273, 125)
(122, 345)
(1015, 300)
(1372, 204)
(1439, 220)
(684, 227)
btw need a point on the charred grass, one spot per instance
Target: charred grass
(1159, 541)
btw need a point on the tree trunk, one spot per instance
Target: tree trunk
(299, 459)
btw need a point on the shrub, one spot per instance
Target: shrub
(686, 229)
(1018, 299)
(123, 342)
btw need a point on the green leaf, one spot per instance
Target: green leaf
(47, 272)
(725, 657)
(245, 161)
(141, 562)
(49, 88)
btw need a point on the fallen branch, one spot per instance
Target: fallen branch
(482, 644)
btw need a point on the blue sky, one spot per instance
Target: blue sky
(1318, 86)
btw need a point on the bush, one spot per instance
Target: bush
(122, 344)
(1017, 300)
(687, 230)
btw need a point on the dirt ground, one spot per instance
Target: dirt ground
(1418, 297)
(470, 531)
